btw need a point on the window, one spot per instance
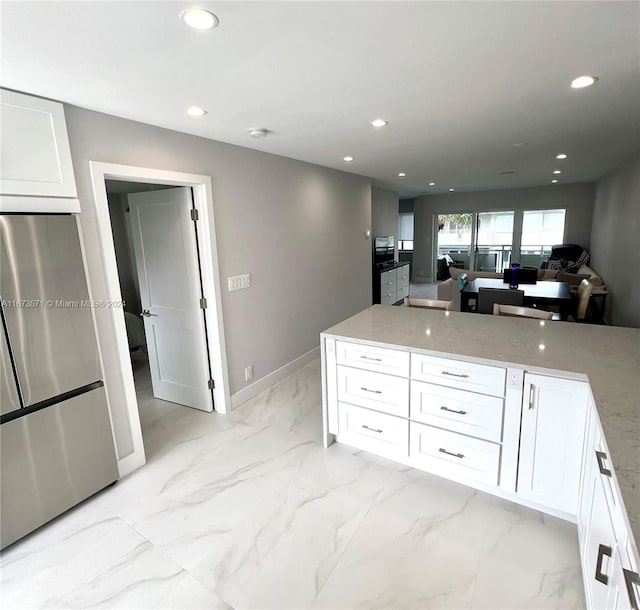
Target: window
(405, 231)
(542, 229)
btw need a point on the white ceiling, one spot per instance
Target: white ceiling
(459, 82)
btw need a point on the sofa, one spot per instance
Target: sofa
(448, 290)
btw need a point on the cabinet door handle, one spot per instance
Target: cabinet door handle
(443, 450)
(443, 408)
(461, 375)
(600, 457)
(603, 550)
(532, 396)
(372, 359)
(630, 579)
(372, 391)
(376, 430)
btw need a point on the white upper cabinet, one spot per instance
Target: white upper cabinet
(35, 158)
(554, 416)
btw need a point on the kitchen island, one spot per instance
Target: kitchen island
(512, 370)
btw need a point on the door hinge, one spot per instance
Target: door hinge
(211, 384)
(203, 303)
(194, 214)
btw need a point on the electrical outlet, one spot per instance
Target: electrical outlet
(514, 378)
(238, 282)
(248, 372)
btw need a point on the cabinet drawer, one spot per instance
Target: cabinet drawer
(372, 358)
(401, 293)
(458, 374)
(473, 414)
(378, 433)
(388, 299)
(387, 276)
(403, 280)
(374, 390)
(453, 455)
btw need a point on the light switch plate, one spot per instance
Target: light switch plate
(238, 282)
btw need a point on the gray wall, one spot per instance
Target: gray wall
(297, 228)
(124, 252)
(576, 198)
(384, 214)
(615, 251)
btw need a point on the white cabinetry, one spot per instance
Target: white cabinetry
(554, 413)
(606, 546)
(464, 421)
(34, 150)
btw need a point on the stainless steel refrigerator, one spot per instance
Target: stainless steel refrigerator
(56, 442)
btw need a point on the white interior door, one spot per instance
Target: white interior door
(166, 253)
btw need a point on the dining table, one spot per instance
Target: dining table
(541, 294)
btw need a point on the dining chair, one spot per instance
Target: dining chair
(428, 303)
(582, 300)
(487, 297)
(525, 312)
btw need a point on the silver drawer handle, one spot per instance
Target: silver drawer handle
(458, 455)
(631, 578)
(378, 431)
(461, 375)
(372, 391)
(600, 457)
(603, 550)
(373, 359)
(443, 408)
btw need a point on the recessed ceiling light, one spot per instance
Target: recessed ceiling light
(348, 159)
(554, 181)
(583, 81)
(557, 171)
(199, 19)
(196, 111)
(432, 183)
(561, 156)
(401, 175)
(379, 123)
(451, 190)
(258, 132)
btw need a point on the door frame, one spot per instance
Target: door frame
(208, 253)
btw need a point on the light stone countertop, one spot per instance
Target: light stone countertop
(608, 356)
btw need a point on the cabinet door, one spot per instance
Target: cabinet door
(601, 563)
(554, 415)
(36, 158)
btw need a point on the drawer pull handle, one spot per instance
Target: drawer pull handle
(443, 408)
(631, 578)
(458, 455)
(373, 359)
(372, 391)
(603, 550)
(601, 456)
(532, 396)
(376, 430)
(461, 375)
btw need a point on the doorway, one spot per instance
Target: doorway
(111, 325)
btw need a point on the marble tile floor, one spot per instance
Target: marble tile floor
(250, 511)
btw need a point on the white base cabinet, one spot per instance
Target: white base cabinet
(554, 415)
(471, 423)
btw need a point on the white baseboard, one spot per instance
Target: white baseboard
(267, 381)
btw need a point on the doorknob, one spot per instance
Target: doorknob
(147, 314)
